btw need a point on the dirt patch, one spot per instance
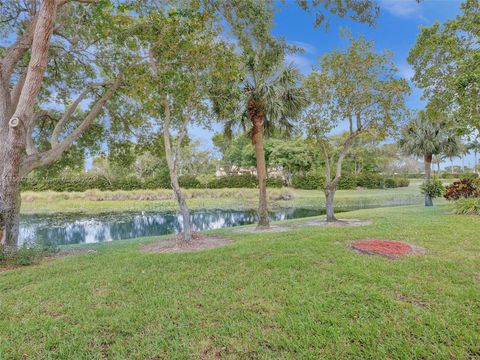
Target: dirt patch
(8, 267)
(199, 242)
(255, 230)
(339, 223)
(387, 248)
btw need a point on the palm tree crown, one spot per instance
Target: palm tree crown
(426, 136)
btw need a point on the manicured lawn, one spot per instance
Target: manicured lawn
(95, 201)
(296, 294)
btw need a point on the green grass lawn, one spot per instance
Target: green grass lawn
(95, 201)
(291, 295)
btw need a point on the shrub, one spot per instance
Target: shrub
(415, 176)
(465, 175)
(371, 181)
(433, 189)
(24, 256)
(467, 206)
(347, 182)
(205, 179)
(464, 188)
(390, 183)
(161, 181)
(395, 182)
(311, 181)
(275, 182)
(189, 182)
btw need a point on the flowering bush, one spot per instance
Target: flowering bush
(464, 188)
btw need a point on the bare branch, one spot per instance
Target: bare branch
(166, 136)
(16, 51)
(17, 90)
(347, 146)
(66, 117)
(36, 160)
(328, 174)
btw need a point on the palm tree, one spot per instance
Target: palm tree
(475, 146)
(272, 97)
(437, 159)
(425, 137)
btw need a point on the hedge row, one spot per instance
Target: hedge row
(83, 183)
(446, 175)
(348, 182)
(466, 175)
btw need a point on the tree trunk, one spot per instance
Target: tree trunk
(14, 132)
(475, 163)
(257, 137)
(172, 161)
(10, 157)
(428, 170)
(184, 210)
(329, 195)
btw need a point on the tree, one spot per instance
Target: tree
(446, 61)
(475, 147)
(74, 53)
(426, 136)
(272, 95)
(52, 57)
(187, 64)
(360, 86)
(293, 156)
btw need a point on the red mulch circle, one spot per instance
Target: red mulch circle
(387, 248)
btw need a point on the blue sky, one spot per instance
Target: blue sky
(396, 30)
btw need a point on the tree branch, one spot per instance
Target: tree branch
(15, 52)
(328, 174)
(66, 117)
(166, 136)
(38, 61)
(347, 146)
(36, 160)
(17, 90)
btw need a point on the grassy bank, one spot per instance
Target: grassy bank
(296, 294)
(95, 201)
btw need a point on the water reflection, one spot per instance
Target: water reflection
(77, 229)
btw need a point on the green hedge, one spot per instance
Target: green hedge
(275, 182)
(396, 182)
(242, 181)
(465, 175)
(371, 181)
(310, 181)
(189, 182)
(350, 182)
(87, 182)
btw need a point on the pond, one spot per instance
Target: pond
(64, 229)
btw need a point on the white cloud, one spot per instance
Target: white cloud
(302, 62)
(401, 7)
